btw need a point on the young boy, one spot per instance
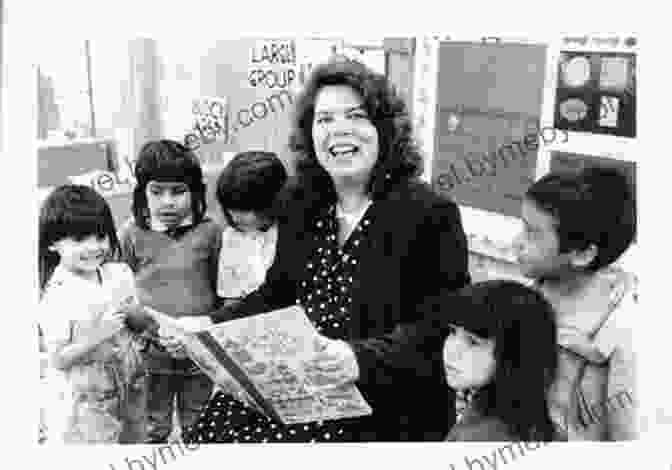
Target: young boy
(575, 227)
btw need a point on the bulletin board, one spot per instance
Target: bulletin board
(489, 103)
(596, 93)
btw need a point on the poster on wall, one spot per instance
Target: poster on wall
(273, 64)
(209, 123)
(487, 123)
(596, 93)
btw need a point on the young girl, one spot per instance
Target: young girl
(95, 370)
(247, 192)
(173, 249)
(575, 226)
(500, 358)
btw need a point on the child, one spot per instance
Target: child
(499, 357)
(247, 193)
(173, 248)
(95, 371)
(575, 227)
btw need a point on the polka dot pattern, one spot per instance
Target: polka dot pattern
(326, 294)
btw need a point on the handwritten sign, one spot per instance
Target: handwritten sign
(210, 122)
(273, 64)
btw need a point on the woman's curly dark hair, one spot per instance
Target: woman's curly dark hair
(399, 157)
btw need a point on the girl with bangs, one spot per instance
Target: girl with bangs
(87, 318)
(499, 357)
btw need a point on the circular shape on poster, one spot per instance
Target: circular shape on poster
(573, 109)
(453, 122)
(576, 71)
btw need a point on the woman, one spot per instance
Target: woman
(362, 241)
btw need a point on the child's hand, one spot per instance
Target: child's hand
(137, 319)
(174, 346)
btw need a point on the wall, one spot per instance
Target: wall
(490, 233)
(188, 69)
(258, 113)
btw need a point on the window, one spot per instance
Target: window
(65, 106)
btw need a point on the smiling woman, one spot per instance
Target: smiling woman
(361, 240)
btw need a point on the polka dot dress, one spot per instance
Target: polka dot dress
(326, 294)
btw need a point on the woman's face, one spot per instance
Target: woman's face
(344, 138)
(468, 360)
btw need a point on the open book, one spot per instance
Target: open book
(267, 361)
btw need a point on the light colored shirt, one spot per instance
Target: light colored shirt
(72, 308)
(349, 220)
(158, 226)
(244, 259)
(598, 327)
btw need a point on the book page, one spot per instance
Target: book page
(206, 361)
(276, 353)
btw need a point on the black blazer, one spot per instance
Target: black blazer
(416, 248)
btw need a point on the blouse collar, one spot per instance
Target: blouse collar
(158, 226)
(354, 217)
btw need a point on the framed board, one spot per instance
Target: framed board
(489, 102)
(596, 93)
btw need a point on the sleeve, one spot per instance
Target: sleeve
(615, 329)
(622, 399)
(127, 247)
(440, 253)
(56, 327)
(279, 288)
(127, 282)
(576, 341)
(615, 337)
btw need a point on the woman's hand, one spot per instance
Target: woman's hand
(335, 359)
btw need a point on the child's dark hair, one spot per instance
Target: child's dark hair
(251, 181)
(595, 206)
(72, 211)
(168, 161)
(522, 323)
